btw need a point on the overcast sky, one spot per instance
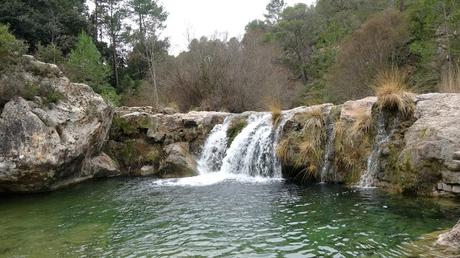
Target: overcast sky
(206, 17)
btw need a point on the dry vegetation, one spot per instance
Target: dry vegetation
(450, 81)
(304, 149)
(353, 144)
(228, 75)
(276, 109)
(367, 51)
(393, 93)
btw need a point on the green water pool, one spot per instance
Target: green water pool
(140, 218)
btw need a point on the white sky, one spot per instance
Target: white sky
(206, 17)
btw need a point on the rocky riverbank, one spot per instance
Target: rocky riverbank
(46, 146)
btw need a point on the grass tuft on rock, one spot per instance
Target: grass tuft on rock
(304, 149)
(353, 145)
(236, 126)
(393, 93)
(276, 110)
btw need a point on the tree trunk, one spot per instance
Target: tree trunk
(114, 61)
(401, 5)
(114, 46)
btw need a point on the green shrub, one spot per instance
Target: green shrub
(49, 54)
(11, 49)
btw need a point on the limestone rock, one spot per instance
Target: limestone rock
(104, 166)
(350, 110)
(456, 155)
(434, 138)
(179, 162)
(451, 238)
(145, 143)
(453, 165)
(43, 147)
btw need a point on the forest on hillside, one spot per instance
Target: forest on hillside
(332, 51)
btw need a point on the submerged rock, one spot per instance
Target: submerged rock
(451, 239)
(48, 146)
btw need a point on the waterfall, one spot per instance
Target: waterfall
(252, 152)
(214, 148)
(368, 179)
(329, 151)
(251, 157)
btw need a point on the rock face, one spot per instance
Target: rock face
(44, 146)
(146, 143)
(427, 158)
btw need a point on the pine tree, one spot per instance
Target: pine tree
(85, 64)
(274, 9)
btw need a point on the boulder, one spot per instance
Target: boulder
(48, 146)
(104, 166)
(451, 238)
(179, 162)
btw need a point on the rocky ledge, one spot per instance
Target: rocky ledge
(145, 143)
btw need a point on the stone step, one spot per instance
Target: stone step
(454, 165)
(456, 155)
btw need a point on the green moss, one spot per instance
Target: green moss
(127, 152)
(125, 126)
(138, 153)
(153, 156)
(235, 128)
(410, 178)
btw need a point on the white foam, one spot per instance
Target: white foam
(216, 178)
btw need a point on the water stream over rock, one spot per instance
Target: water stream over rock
(368, 179)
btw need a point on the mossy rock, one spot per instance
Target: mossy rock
(409, 177)
(235, 128)
(130, 126)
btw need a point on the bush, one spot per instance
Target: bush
(11, 49)
(276, 110)
(49, 54)
(352, 144)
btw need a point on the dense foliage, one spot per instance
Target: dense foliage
(299, 54)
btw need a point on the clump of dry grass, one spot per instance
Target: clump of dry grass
(304, 149)
(450, 81)
(393, 92)
(275, 108)
(352, 145)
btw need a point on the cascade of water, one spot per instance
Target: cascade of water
(214, 148)
(368, 179)
(251, 152)
(330, 150)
